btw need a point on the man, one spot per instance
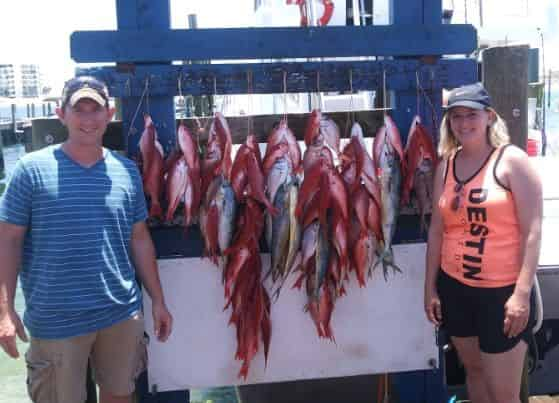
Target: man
(72, 226)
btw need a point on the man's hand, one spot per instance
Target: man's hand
(10, 325)
(162, 321)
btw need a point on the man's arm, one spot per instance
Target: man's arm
(11, 246)
(143, 255)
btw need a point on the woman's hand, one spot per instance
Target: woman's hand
(433, 307)
(517, 312)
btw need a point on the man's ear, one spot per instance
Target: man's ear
(111, 112)
(60, 113)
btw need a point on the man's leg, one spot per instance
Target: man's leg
(56, 369)
(117, 358)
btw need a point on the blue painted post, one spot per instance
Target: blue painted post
(425, 12)
(417, 386)
(146, 15)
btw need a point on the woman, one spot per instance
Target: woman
(483, 248)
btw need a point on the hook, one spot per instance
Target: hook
(147, 93)
(384, 90)
(179, 84)
(249, 81)
(131, 129)
(284, 94)
(418, 85)
(249, 91)
(351, 93)
(127, 87)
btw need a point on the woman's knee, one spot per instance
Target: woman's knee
(502, 393)
(473, 368)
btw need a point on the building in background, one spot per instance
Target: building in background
(20, 81)
(7, 81)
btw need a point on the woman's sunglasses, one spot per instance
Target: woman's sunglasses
(457, 200)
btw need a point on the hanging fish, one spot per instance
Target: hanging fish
(388, 158)
(421, 161)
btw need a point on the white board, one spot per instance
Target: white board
(380, 328)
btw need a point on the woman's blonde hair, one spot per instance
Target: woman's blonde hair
(497, 135)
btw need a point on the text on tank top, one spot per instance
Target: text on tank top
(481, 239)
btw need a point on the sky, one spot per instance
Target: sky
(37, 31)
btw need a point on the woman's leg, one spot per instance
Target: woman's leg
(470, 355)
(503, 373)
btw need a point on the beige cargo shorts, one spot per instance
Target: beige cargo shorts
(56, 369)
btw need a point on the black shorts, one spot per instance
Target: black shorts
(479, 312)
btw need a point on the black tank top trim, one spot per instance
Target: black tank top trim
(501, 152)
(475, 173)
(446, 171)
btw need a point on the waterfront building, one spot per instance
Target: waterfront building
(20, 81)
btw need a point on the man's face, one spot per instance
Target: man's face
(86, 121)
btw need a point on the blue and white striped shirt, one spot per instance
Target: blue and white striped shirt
(77, 275)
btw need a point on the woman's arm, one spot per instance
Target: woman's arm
(525, 185)
(433, 255)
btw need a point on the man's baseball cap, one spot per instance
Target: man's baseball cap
(85, 87)
(473, 96)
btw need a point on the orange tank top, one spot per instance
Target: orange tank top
(481, 239)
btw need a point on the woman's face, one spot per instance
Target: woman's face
(468, 124)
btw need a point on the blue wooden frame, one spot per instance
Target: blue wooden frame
(144, 47)
(266, 43)
(267, 78)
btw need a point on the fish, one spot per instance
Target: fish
(280, 233)
(153, 181)
(321, 259)
(255, 188)
(309, 188)
(294, 226)
(317, 153)
(388, 156)
(330, 133)
(321, 309)
(423, 188)
(339, 240)
(363, 256)
(277, 176)
(322, 130)
(225, 141)
(209, 220)
(146, 144)
(312, 129)
(368, 172)
(309, 242)
(282, 134)
(176, 186)
(227, 209)
(217, 154)
(189, 149)
(421, 161)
